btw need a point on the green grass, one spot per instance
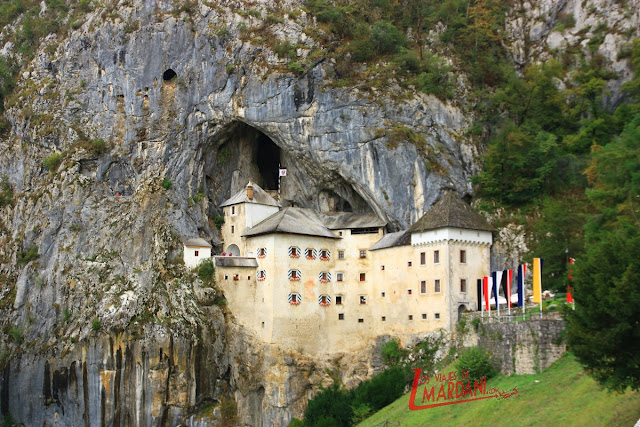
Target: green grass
(563, 395)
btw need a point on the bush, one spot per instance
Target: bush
(166, 184)
(330, 407)
(391, 352)
(16, 335)
(206, 271)
(24, 257)
(477, 362)
(381, 390)
(6, 192)
(296, 67)
(66, 315)
(228, 412)
(386, 38)
(98, 146)
(52, 162)
(95, 325)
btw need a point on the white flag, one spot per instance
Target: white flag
(283, 172)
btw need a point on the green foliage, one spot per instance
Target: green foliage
(8, 421)
(603, 330)
(296, 67)
(6, 192)
(24, 257)
(98, 146)
(206, 271)
(338, 407)
(95, 324)
(52, 163)
(477, 362)
(285, 49)
(331, 405)
(224, 155)
(15, 334)
(66, 315)
(475, 322)
(391, 352)
(296, 423)
(218, 220)
(386, 38)
(166, 184)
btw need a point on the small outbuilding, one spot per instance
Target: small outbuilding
(196, 251)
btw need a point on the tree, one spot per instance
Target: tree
(604, 329)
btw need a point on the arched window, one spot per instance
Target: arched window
(294, 252)
(325, 254)
(310, 253)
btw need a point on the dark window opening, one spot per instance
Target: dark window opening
(169, 75)
(340, 316)
(360, 320)
(368, 230)
(268, 161)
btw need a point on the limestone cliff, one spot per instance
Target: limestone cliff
(125, 134)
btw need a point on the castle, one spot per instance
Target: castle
(326, 283)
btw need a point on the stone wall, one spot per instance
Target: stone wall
(525, 347)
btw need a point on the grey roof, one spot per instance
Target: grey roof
(347, 220)
(451, 211)
(294, 221)
(260, 197)
(235, 261)
(390, 240)
(198, 242)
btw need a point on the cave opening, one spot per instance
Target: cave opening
(169, 75)
(268, 161)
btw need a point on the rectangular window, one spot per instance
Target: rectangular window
(409, 291)
(463, 285)
(339, 277)
(233, 210)
(363, 299)
(197, 253)
(363, 276)
(340, 233)
(423, 258)
(338, 299)
(360, 320)
(436, 286)
(384, 318)
(411, 317)
(248, 277)
(233, 228)
(463, 257)
(384, 294)
(382, 267)
(226, 277)
(424, 316)
(437, 315)
(340, 316)
(409, 263)
(340, 254)
(363, 254)
(423, 286)
(294, 274)
(436, 257)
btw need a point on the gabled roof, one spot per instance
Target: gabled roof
(260, 197)
(293, 221)
(390, 240)
(197, 243)
(349, 220)
(451, 211)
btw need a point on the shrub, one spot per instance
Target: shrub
(391, 352)
(95, 325)
(475, 322)
(285, 49)
(66, 315)
(16, 334)
(381, 390)
(24, 257)
(166, 184)
(228, 412)
(52, 162)
(386, 38)
(296, 67)
(206, 271)
(477, 362)
(98, 146)
(6, 192)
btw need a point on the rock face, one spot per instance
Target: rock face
(147, 116)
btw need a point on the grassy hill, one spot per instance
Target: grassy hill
(562, 395)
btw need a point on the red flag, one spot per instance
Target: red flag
(509, 279)
(485, 291)
(569, 288)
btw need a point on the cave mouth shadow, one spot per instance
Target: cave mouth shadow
(268, 161)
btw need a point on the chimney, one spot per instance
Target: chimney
(250, 191)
